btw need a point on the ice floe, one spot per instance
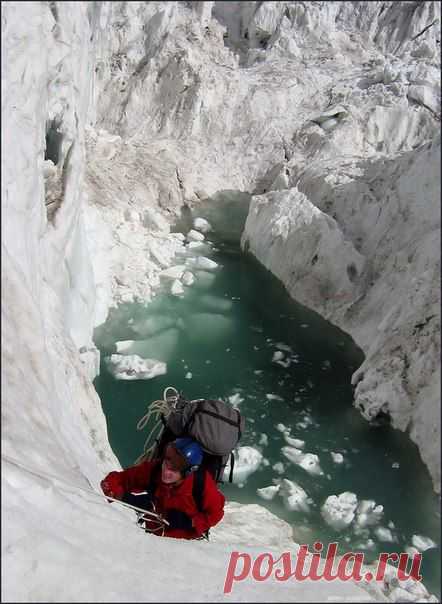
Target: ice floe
(193, 235)
(337, 457)
(368, 513)
(201, 224)
(267, 493)
(308, 461)
(422, 543)
(294, 442)
(339, 510)
(247, 461)
(133, 367)
(202, 262)
(263, 440)
(294, 497)
(279, 467)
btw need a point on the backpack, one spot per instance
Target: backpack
(215, 425)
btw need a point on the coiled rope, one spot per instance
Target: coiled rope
(158, 410)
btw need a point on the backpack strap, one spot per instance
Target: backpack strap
(232, 464)
(199, 479)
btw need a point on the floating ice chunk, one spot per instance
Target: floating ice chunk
(201, 262)
(267, 493)
(277, 356)
(284, 347)
(263, 440)
(279, 467)
(235, 399)
(274, 397)
(384, 534)
(193, 235)
(133, 367)
(188, 375)
(281, 427)
(422, 543)
(188, 278)
(304, 325)
(257, 371)
(265, 462)
(208, 327)
(174, 272)
(308, 461)
(294, 497)
(338, 511)
(395, 465)
(368, 513)
(411, 551)
(177, 288)
(247, 461)
(337, 457)
(161, 345)
(215, 303)
(201, 224)
(294, 442)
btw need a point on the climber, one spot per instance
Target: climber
(175, 487)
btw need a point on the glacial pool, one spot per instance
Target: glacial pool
(235, 334)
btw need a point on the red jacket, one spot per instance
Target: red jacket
(168, 497)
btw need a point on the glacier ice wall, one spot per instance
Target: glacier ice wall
(116, 115)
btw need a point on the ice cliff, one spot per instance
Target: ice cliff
(115, 116)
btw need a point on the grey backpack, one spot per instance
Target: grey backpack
(214, 424)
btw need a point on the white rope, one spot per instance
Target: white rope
(90, 491)
(156, 409)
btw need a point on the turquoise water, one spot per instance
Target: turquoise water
(222, 334)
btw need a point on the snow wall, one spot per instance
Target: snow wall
(117, 114)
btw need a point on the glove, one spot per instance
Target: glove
(111, 487)
(179, 520)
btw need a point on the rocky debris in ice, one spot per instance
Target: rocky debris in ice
(294, 442)
(188, 375)
(294, 497)
(422, 543)
(384, 534)
(201, 224)
(281, 428)
(263, 440)
(247, 461)
(193, 235)
(187, 278)
(337, 457)
(267, 493)
(274, 397)
(133, 367)
(235, 400)
(174, 272)
(338, 511)
(308, 461)
(368, 513)
(177, 289)
(202, 263)
(278, 467)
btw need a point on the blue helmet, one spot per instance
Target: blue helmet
(191, 451)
